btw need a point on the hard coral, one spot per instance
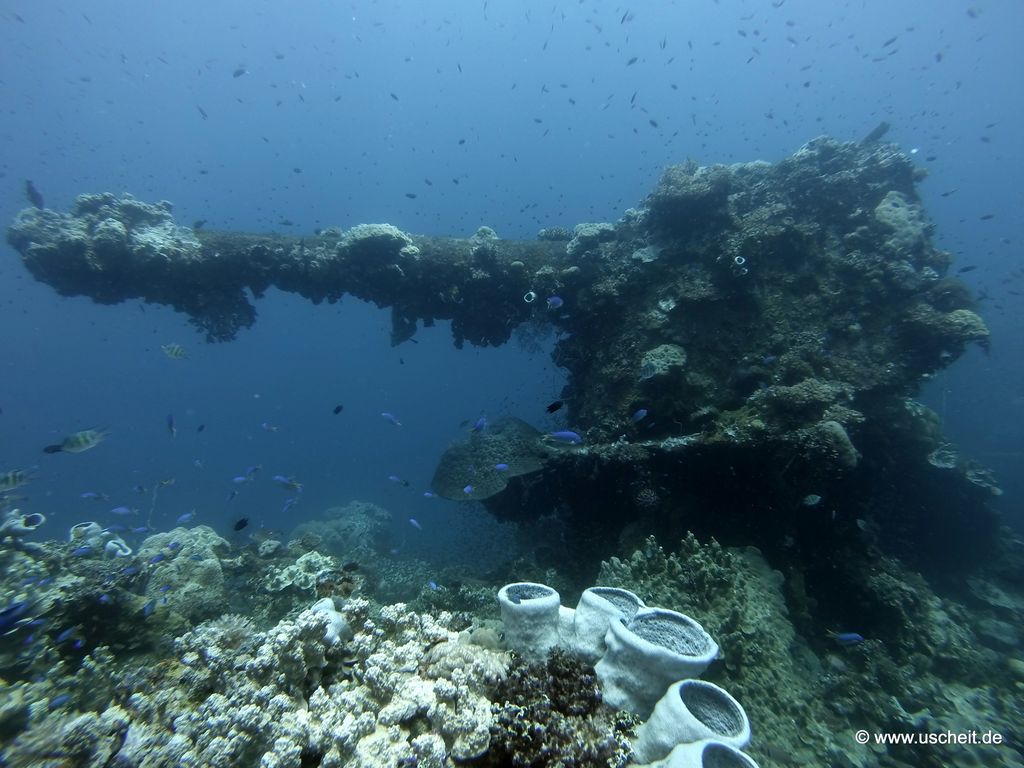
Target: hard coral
(551, 715)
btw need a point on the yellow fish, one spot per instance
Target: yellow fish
(174, 351)
(78, 442)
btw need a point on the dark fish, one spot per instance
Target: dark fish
(350, 566)
(202, 111)
(968, 268)
(200, 428)
(170, 425)
(199, 224)
(241, 524)
(239, 72)
(555, 406)
(393, 96)
(411, 195)
(33, 194)
(987, 216)
(338, 409)
(879, 131)
(632, 61)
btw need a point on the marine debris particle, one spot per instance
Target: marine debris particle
(469, 470)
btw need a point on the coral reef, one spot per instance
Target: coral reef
(549, 713)
(357, 530)
(920, 662)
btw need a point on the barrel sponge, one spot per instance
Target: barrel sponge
(597, 609)
(689, 711)
(654, 649)
(530, 613)
(707, 753)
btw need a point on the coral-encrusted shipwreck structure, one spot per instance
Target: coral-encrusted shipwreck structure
(773, 320)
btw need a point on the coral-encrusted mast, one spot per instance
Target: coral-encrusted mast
(778, 313)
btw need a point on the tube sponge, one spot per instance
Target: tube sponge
(645, 656)
(530, 614)
(707, 753)
(597, 608)
(691, 710)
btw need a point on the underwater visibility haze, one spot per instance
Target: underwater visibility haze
(508, 384)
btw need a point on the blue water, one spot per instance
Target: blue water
(511, 115)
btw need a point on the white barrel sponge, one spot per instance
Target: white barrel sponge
(691, 710)
(707, 753)
(644, 657)
(597, 609)
(530, 614)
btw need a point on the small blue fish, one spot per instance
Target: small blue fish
(555, 302)
(93, 496)
(197, 463)
(65, 634)
(139, 488)
(639, 415)
(847, 639)
(173, 430)
(501, 467)
(230, 496)
(104, 599)
(83, 551)
(480, 425)
(186, 517)
(58, 701)
(432, 585)
(415, 523)
(164, 588)
(289, 503)
(288, 482)
(159, 557)
(467, 490)
(141, 529)
(148, 608)
(566, 436)
(391, 417)
(131, 570)
(268, 427)
(239, 479)
(428, 494)
(174, 545)
(12, 614)
(123, 511)
(115, 528)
